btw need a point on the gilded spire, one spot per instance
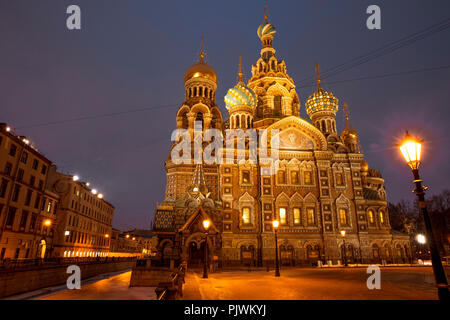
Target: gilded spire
(347, 123)
(318, 77)
(265, 12)
(202, 53)
(240, 74)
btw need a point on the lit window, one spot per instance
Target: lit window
(343, 216)
(246, 215)
(310, 215)
(49, 206)
(296, 215)
(246, 177)
(283, 219)
(381, 217)
(371, 216)
(339, 180)
(308, 177)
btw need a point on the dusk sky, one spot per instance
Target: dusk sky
(101, 102)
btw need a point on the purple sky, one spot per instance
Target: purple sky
(133, 54)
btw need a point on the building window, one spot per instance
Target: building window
(339, 179)
(24, 157)
(294, 177)
(32, 222)
(23, 220)
(3, 187)
(20, 175)
(343, 216)
(12, 150)
(371, 220)
(16, 193)
(28, 197)
(8, 168)
(310, 216)
(43, 169)
(35, 164)
(32, 179)
(37, 201)
(281, 177)
(382, 217)
(246, 215)
(245, 177)
(49, 206)
(308, 177)
(283, 217)
(296, 216)
(10, 217)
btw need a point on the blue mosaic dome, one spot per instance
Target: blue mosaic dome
(240, 95)
(321, 100)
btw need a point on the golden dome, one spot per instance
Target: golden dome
(200, 70)
(364, 166)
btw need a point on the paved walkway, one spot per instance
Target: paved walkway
(409, 283)
(113, 288)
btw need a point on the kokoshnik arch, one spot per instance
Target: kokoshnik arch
(322, 186)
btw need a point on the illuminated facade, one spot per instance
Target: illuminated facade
(84, 218)
(323, 184)
(27, 209)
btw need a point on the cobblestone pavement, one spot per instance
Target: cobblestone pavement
(409, 283)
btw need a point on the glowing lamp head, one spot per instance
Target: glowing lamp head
(94, 191)
(100, 195)
(421, 239)
(87, 184)
(47, 222)
(195, 189)
(106, 235)
(276, 224)
(134, 238)
(8, 129)
(67, 232)
(411, 150)
(343, 233)
(206, 224)
(75, 178)
(127, 236)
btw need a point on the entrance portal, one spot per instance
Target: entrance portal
(196, 254)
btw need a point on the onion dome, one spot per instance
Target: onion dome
(201, 70)
(364, 166)
(240, 94)
(321, 100)
(266, 29)
(348, 132)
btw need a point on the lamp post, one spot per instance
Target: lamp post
(344, 252)
(276, 224)
(206, 224)
(411, 150)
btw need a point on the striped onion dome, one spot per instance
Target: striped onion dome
(321, 100)
(266, 29)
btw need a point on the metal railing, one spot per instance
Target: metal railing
(172, 289)
(8, 265)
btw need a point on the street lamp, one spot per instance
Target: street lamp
(206, 224)
(411, 150)
(276, 224)
(344, 252)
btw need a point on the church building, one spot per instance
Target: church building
(329, 203)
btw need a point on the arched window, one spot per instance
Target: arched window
(296, 212)
(277, 105)
(195, 91)
(200, 91)
(246, 215)
(308, 177)
(381, 217)
(310, 216)
(237, 121)
(343, 216)
(371, 219)
(283, 216)
(324, 128)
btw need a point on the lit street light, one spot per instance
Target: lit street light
(344, 252)
(206, 224)
(411, 150)
(276, 224)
